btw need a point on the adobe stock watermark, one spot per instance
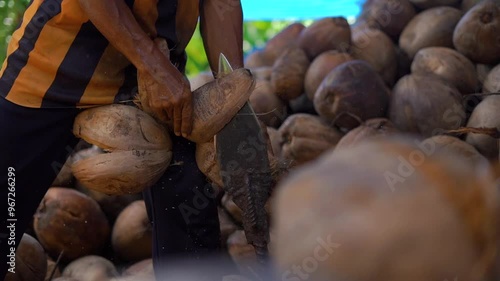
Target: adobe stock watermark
(322, 252)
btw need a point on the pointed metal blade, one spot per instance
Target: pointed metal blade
(224, 66)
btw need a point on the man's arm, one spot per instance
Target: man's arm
(221, 27)
(117, 23)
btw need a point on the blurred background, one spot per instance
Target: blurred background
(262, 21)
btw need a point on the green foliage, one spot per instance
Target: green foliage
(256, 34)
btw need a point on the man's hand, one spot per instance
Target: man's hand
(170, 96)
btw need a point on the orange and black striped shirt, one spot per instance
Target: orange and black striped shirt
(57, 57)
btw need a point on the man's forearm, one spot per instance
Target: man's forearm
(222, 31)
(114, 19)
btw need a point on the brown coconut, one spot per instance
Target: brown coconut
(70, 221)
(375, 47)
(351, 89)
(426, 105)
(377, 127)
(386, 211)
(289, 72)
(258, 59)
(477, 35)
(492, 81)
(449, 65)
(214, 104)
(485, 115)
(320, 67)
(90, 268)
(430, 28)
(281, 41)
(30, 261)
(333, 33)
(426, 4)
(389, 16)
(305, 137)
(132, 235)
(270, 109)
(454, 147)
(262, 73)
(139, 149)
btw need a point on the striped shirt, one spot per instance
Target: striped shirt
(57, 58)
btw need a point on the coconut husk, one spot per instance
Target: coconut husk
(132, 235)
(30, 261)
(449, 65)
(444, 227)
(270, 109)
(200, 80)
(430, 28)
(90, 268)
(69, 221)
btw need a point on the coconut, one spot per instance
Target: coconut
(262, 73)
(386, 211)
(485, 115)
(377, 127)
(431, 28)
(351, 89)
(449, 65)
(200, 80)
(139, 149)
(270, 109)
(320, 67)
(70, 221)
(281, 41)
(468, 4)
(375, 47)
(426, 104)
(30, 261)
(258, 59)
(426, 4)
(482, 71)
(289, 72)
(477, 35)
(305, 137)
(132, 235)
(140, 268)
(389, 16)
(455, 147)
(90, 268)
(214, 104)
(492, 81)
(333, 33)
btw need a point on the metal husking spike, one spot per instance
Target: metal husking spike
(224, 66)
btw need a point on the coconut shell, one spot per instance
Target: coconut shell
(122, 172)
(305, 137)
(389, 16)
(289, 72)
(427, 4)
(449, 65)
(90, 268)
(492, 81)
(267, 106)
(376, 48)
(485, 115)
(426, 105)
(258, 59)
(132, 235)
(351, 89)
(70, 221)
(477, 35)
(377, 127)
(430, 28)
(281, 41)
(30, 261)
(455, 147)
(333, 33)
(444, 227)
(200, 80)
(320, 67)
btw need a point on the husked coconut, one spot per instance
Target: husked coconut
(289, 72)
(70, 221)
(270, 109)
(377, 127)
(389, 16)
(90, 268)
(455, 147)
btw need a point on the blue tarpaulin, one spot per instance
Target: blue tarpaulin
(299, 9)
